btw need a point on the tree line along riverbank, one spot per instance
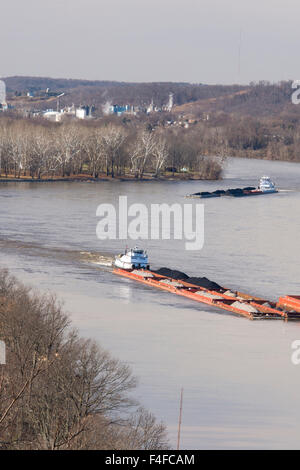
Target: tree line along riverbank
(36, 150)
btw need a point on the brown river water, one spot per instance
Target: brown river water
(241, 389)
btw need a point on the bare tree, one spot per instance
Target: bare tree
(142, 151)
(113, 137)
(68, 146)
(160, 154)
(94, 151)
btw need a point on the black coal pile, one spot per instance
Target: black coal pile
(219, 191)
(173, 273)
(204, 282)
(234, 192)
(180, 276)
(202, 193)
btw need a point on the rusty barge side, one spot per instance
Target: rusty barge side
(239, 303)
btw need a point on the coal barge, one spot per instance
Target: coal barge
(266, 186)
(201, 289)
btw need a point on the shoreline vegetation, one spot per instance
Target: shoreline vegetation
(60, 391)
(102, 178)
(37, 150)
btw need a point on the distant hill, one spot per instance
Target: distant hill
(98, 92)
(262, 99)
(20, 84)
(257, 100)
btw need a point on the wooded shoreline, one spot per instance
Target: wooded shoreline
(90, 179)
(60, 391)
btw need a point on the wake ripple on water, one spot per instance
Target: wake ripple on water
(61, 254)
(97, 258)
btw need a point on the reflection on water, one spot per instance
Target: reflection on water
(241, 390)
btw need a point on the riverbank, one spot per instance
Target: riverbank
(89, 179)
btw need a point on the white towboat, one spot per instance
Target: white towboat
(133, 258)
(266, 185)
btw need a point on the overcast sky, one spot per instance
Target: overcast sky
(152, 40)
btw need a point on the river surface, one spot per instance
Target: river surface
(241, 389)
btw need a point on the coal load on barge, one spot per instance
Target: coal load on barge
(266, 186)
(197, 281)
(133, 264)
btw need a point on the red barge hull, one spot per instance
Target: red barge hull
(241, 304)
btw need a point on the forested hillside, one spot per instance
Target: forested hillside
(98, 92)
(258, 120)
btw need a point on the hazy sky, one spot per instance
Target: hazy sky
(151, 40)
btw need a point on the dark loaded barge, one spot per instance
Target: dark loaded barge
(203, 290)
(266, 186)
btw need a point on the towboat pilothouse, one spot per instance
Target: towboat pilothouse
(266, 185)
(133, 258)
